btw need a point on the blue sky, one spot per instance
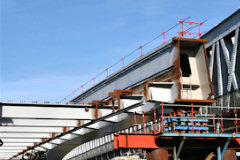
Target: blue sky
(50, 48)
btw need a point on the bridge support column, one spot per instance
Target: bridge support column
(158, 154)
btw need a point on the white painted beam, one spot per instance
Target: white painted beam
(219, 71)
(39, 149)
(13, 129)
(68, 136)
(2, 155)
(57, 141)
(48, 145)
(212, 60)
(46, 112)
(38, 122)
(227, 60)
(13, 148)
(17, 144)
(83, 131)
(117, 118)
(25, 135)
(98, 125)
(233, 63)
(11, 151)
(20, 140)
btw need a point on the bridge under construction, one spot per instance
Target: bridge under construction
(181, 100)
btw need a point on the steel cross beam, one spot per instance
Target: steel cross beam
(25, 125)
(88, 127)
(153, 140)
(27, 111)
(222, 47)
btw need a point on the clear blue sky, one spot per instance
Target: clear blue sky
(49, 48)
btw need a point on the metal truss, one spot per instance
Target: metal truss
(223, 49)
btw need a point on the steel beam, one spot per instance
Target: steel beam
(219, 71)
(13, 148)
(142, 68)
(221, 30)
(17, 144)
(180, 148)
(26, 135)
(212, 55)
(45, 112)
(13, 129)
(228, 63)
(21, 140)
(231, 76)
(38, 122)
(146, 141)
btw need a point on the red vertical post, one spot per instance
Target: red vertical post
(140, 47)
(135, 122)
(199, 31)
(122, 62)
(93, 81)
(162, 118)
(143, 116)
(107, 72)
(155, 118)
(220, 115)
(214, 124)
(192, 118)
(73, 94)
(164, 39)
(182, 28)
(236, 121)
(82, 88)
(65, 100)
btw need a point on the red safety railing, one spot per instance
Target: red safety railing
(195, 123)
(163, 34)
(191, 33)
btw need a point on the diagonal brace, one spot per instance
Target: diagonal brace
(219, 153)
(176, 155)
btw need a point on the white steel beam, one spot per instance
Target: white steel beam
(117, 118)
(39, 149)
(13, 148)
(2, 155)
(11, 151)
(68, 136)
(82, 131)
(25, 135)
(17, 144)
(227, 60)
(57, 141)
(20, 140)
(38, 122)
(98, 125)
(13, 129)
(233, 62)
(48, 145)
(219, 71)
(45, 112)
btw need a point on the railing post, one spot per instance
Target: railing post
(192, 118)
(135, 122)
(155, 119)
(143, 116)
(162, 129)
